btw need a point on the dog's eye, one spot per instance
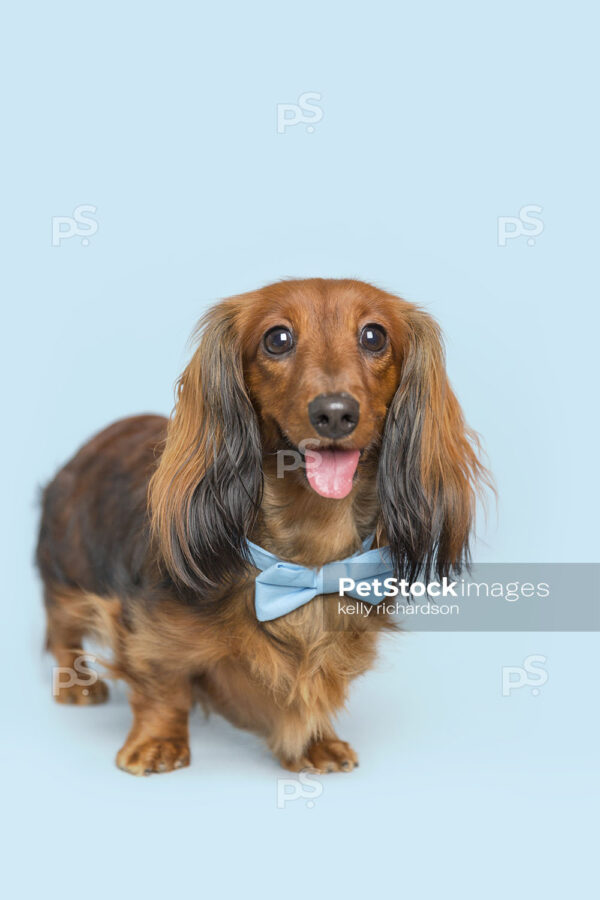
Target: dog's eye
(278, 340)
(373, 338)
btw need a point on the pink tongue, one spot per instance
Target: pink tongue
(330, 472)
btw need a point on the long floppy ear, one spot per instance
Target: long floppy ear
(429, 468)
(205, 493)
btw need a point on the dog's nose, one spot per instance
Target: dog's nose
(333, 415)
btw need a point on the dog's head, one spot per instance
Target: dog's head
(334, 372)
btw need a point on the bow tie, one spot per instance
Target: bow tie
(282, 587)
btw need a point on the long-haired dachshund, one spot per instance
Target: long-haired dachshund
(146, 533)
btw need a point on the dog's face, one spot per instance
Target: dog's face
(335, 369)
(322, 362)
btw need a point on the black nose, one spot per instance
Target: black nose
(333, 415)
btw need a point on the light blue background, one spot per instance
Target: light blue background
(437, 119)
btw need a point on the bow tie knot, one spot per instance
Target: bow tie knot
(282, 587)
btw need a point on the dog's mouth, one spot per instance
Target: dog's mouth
(330, 469)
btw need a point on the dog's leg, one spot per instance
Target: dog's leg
(301, 744)
(73, 680)
(158, 740)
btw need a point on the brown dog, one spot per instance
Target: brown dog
(144, 533)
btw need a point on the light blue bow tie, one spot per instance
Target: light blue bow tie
(284, 586)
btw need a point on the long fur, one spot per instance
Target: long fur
(206, 491)
(429, 470)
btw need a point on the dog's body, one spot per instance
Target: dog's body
(144, 533)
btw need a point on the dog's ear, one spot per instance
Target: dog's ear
(429, 468)
(206, 491)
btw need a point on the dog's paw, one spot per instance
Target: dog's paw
(83, 694)
(326, 756)
(155, 755)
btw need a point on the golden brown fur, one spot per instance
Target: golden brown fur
(143, 538)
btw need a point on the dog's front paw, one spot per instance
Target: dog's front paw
(82, 694)
(325, 756)
(155, 755)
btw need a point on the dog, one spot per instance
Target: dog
(146, 534)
